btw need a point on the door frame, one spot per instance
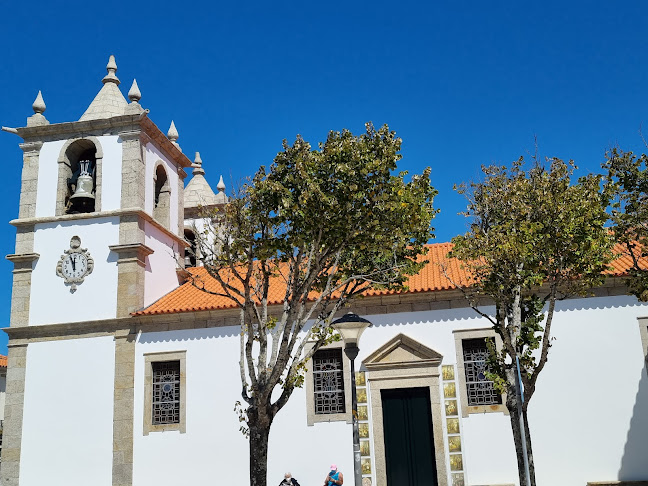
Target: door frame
(405, 363)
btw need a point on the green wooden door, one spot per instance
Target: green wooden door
(409, 444)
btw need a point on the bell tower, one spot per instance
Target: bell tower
(107, 189)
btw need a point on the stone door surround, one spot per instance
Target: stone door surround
(405, 363)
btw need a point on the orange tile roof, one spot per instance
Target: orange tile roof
(188, 298)
(3, 361)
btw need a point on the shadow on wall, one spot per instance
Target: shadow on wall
(634, 465)
(188, 334)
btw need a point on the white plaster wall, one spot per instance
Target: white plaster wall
(588, 419)
(68, 413)
(111, 172)
(212, 451)
(307, 452)
(51, 301)
(47, 178)
(161, 265)
(153, 156)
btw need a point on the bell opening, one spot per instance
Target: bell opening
(82, 185)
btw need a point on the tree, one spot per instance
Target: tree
(535, 238)
(627, 179)
(319, 228)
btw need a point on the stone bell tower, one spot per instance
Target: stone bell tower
(99, 235)
(110, 183)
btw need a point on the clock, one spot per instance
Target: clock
(75, 264)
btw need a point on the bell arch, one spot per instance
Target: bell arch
(73, 153)
(162, 196)
(191, 252)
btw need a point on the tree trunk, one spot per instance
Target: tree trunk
(259, 423)
(512, 405)
(529, 449)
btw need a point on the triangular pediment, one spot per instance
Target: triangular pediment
(402, 350)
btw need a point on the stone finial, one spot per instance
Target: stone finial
(39, 104)
(221, 185)
(111, 67)
(172, 135)
(197, 165)
(134, 93)
(39, 107)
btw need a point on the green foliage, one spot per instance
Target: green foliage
(535, 237)
(627, 180)
(323, 225)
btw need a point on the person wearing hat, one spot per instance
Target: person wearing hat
(334, 477)
(288, 480)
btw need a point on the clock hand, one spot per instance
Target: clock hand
(73, 263)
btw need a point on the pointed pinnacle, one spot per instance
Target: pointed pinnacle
(111, 67)
(197, 159)
(172, 134)
(39, 105)
(221, 185)
(134, 93)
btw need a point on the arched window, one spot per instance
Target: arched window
(191, 251)
(162, 203)
(77, 184)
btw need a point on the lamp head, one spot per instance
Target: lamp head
(350, 326)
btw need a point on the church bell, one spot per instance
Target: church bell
(84, 183)
(83, 198)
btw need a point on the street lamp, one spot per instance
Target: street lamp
(350, 326)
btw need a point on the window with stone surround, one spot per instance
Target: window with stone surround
(476, 392)
(165, 392)
(327, 381)
(479, 389)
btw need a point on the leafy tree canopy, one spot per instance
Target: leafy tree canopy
(627, 179)
(322, 226)
(535, 237)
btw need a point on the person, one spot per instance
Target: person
(288, 480)
(334, 477)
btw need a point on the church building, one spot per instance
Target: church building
(120, 372)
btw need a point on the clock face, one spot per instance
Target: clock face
(75, 265)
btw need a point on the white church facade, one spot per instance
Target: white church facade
(120, 373)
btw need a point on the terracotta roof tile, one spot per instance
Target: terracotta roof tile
(188, 298)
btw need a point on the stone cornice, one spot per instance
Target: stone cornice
(23, 261)
(31, 147)
(22, 257)
(103, 125)
(386, 304)
(162, 142)
(133, 251)
(21, 222)
(129, 125)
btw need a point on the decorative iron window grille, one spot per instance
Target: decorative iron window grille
(166, 392)
(328, 381)
(479, 389)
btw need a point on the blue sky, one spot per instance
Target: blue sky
(463, 83)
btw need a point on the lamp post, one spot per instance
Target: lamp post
(350, 326)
